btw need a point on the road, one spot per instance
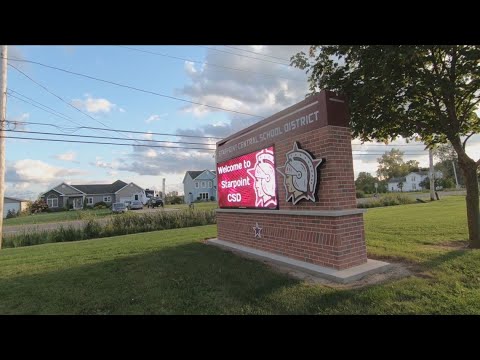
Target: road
(423, 196)
(11, 230)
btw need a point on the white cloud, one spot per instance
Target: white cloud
(67, 156)
(122, 110)
(148, 135)
(250, 92)
(93, 105)
(104, 164)
(190, 68)
(151, 153)
(37, 171)
(154, 117)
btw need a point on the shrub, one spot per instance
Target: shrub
(176, 200)
(360, 194)
(11, 214)
(119, 225)
(38, 206)
(100, 203)
(388, 200)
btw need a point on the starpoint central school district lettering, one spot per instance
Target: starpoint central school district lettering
(279, 130)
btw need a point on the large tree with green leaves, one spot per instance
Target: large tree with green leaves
(425, 91)
(392, 165)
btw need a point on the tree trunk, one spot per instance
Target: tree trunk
(469, 169)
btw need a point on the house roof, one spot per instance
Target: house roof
(101, 188)
(397, 179)
(194, 174)
(15, 199)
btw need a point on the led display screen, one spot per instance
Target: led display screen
(248, 181)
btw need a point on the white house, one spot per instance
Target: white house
(411, 182)
(200, 185)
(13, 204)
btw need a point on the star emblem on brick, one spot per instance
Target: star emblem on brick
(257, 230)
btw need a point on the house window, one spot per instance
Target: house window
(204, 184)
(197, 185)
(107, 199)
(210, 184)
(89, 200)
(136, 197)
(413, 178)
(204, 196)
(414, 186)
(52, 201)
(392, 188)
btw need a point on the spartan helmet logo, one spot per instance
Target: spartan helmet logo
(263, 174)
(300, 175)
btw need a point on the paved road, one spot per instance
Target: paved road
(423, 196)
(10, 230)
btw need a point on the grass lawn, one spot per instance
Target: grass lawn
(56, 217)
(173, 272)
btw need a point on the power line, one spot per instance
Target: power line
(254, 52)
(108, 137)
(246, 56)
(117, 130)
(133, 88)
(208, 63)
(106, 143)
(37, 106)
(59, 97)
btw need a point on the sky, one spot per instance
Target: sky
(163, 87)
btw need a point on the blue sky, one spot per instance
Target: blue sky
(35, 166)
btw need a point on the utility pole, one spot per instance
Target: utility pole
(455, 173)
(431, 175)
(3, 118)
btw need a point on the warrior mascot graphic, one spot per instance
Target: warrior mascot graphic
(300, 175)
(263, 174)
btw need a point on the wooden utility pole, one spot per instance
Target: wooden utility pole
(431, 175)
(3, 117)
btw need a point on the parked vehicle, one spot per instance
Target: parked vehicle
(119, 208)
(136, 204)
(154, 202)
(127, 204)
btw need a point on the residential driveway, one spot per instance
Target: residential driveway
(10, 230)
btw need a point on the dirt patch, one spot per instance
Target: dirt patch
(396, 271)
(452, 245)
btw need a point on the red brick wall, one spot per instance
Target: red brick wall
(336, 242)
(336, 190)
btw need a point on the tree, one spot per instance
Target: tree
(391, 165)
(448, 164)
(365, 182)
(429, 92)
(400, 186)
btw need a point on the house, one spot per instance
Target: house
(200, 185)
(411, 182)
(13, 204)
(74, 196)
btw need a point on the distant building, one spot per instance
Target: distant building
(74, 196)
(200, 185)
(13, 204)
(411, 182)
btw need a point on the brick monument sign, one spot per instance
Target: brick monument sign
(286, 191)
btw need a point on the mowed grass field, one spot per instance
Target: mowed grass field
(174, 272)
